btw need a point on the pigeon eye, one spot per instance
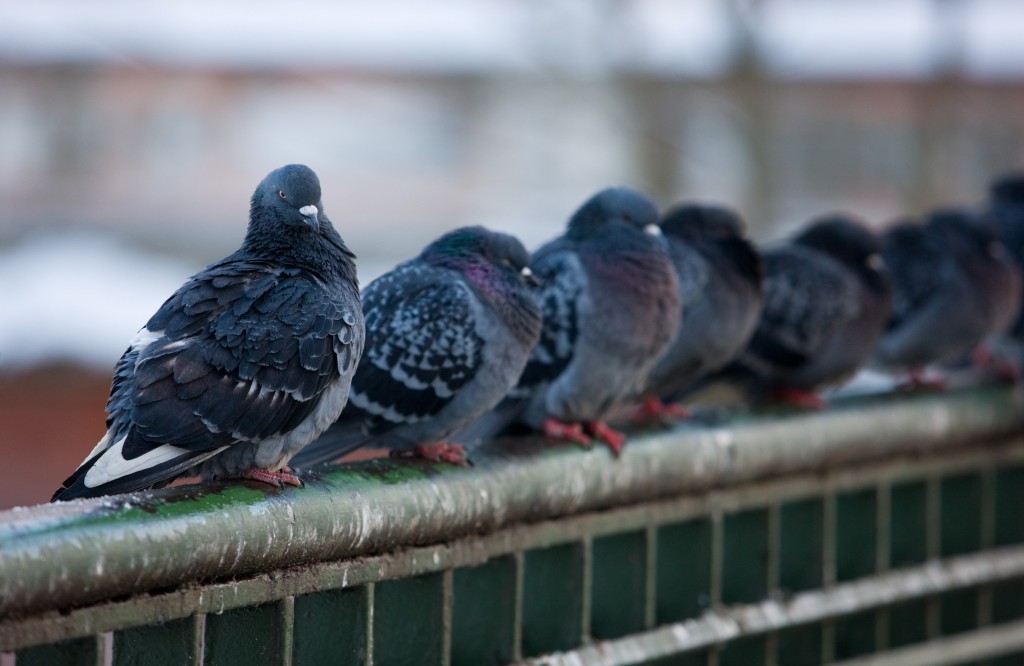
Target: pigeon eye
(281, 194)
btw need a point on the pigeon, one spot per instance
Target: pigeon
(610, 302)
(448, 334)
(249, 360)
(720, 276)
(1005, 210)
(826, 301)
(953, 286)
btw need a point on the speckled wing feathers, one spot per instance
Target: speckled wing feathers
(424, 346)
(562, 285)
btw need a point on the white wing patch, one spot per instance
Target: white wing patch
(112, 464)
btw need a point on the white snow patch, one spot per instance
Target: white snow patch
(79, 297)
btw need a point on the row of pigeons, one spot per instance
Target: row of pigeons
(272, 356)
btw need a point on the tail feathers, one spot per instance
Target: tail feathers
(342, 438)
(107, 472)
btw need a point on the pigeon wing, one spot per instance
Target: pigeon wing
(241, 352)
(563, 283)
(806, 300)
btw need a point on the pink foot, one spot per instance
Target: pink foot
(653, 410)
(279, 478)
(454, 454)
(798, 398)
(917, 381)
(984, 358)
(570, 432)
(600, 431)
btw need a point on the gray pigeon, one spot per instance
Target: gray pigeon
(1006, 211)
(448, 334)
(610, 301)
(248, 362)
(720, 276)
(826, 304)
(953, 286)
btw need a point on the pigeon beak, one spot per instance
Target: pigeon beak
(652, 229)
(312, 216)
(529, 277)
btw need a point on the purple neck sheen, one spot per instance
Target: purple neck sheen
(484, 277)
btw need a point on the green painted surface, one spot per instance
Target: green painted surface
(408, 625)
(854, 635)
(483, 615)
(618, 585)
(958, 612)
(745, 556)
(79, 652)
(698, 658)
(856, 534)
(908, 623)
(165, 539)
(244, 636)
(330, 628)
(168, 644)
(743, 652)
(552, 599)
(1010, 506)
(801, 542)
(908, 525)
(800, 646)
(960, 502)
(1008, 660)
(1008, 601)
(683, 570)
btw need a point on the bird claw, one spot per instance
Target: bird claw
(798, 398)
(454, 454)
(917, 380)
(570, 432)
(277, 479)
(602, 432)
(653, 410)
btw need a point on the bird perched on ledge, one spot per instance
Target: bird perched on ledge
(826, 302)
(448, 334)
(611, 308)
(720, 277)
(248, 362)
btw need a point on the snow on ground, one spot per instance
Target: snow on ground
(78, 297)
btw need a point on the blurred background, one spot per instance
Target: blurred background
(132, 135)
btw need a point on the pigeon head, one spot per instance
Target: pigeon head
(963, 230)
(611, 208)
(850, 242)
(1008, 188)
(290, 196)
(467, 247)
(698, 220)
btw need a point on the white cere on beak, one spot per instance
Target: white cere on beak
(309, 210)
(652, 229)
(875, 261)
(526, 272)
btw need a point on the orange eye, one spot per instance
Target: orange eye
(281, 194)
